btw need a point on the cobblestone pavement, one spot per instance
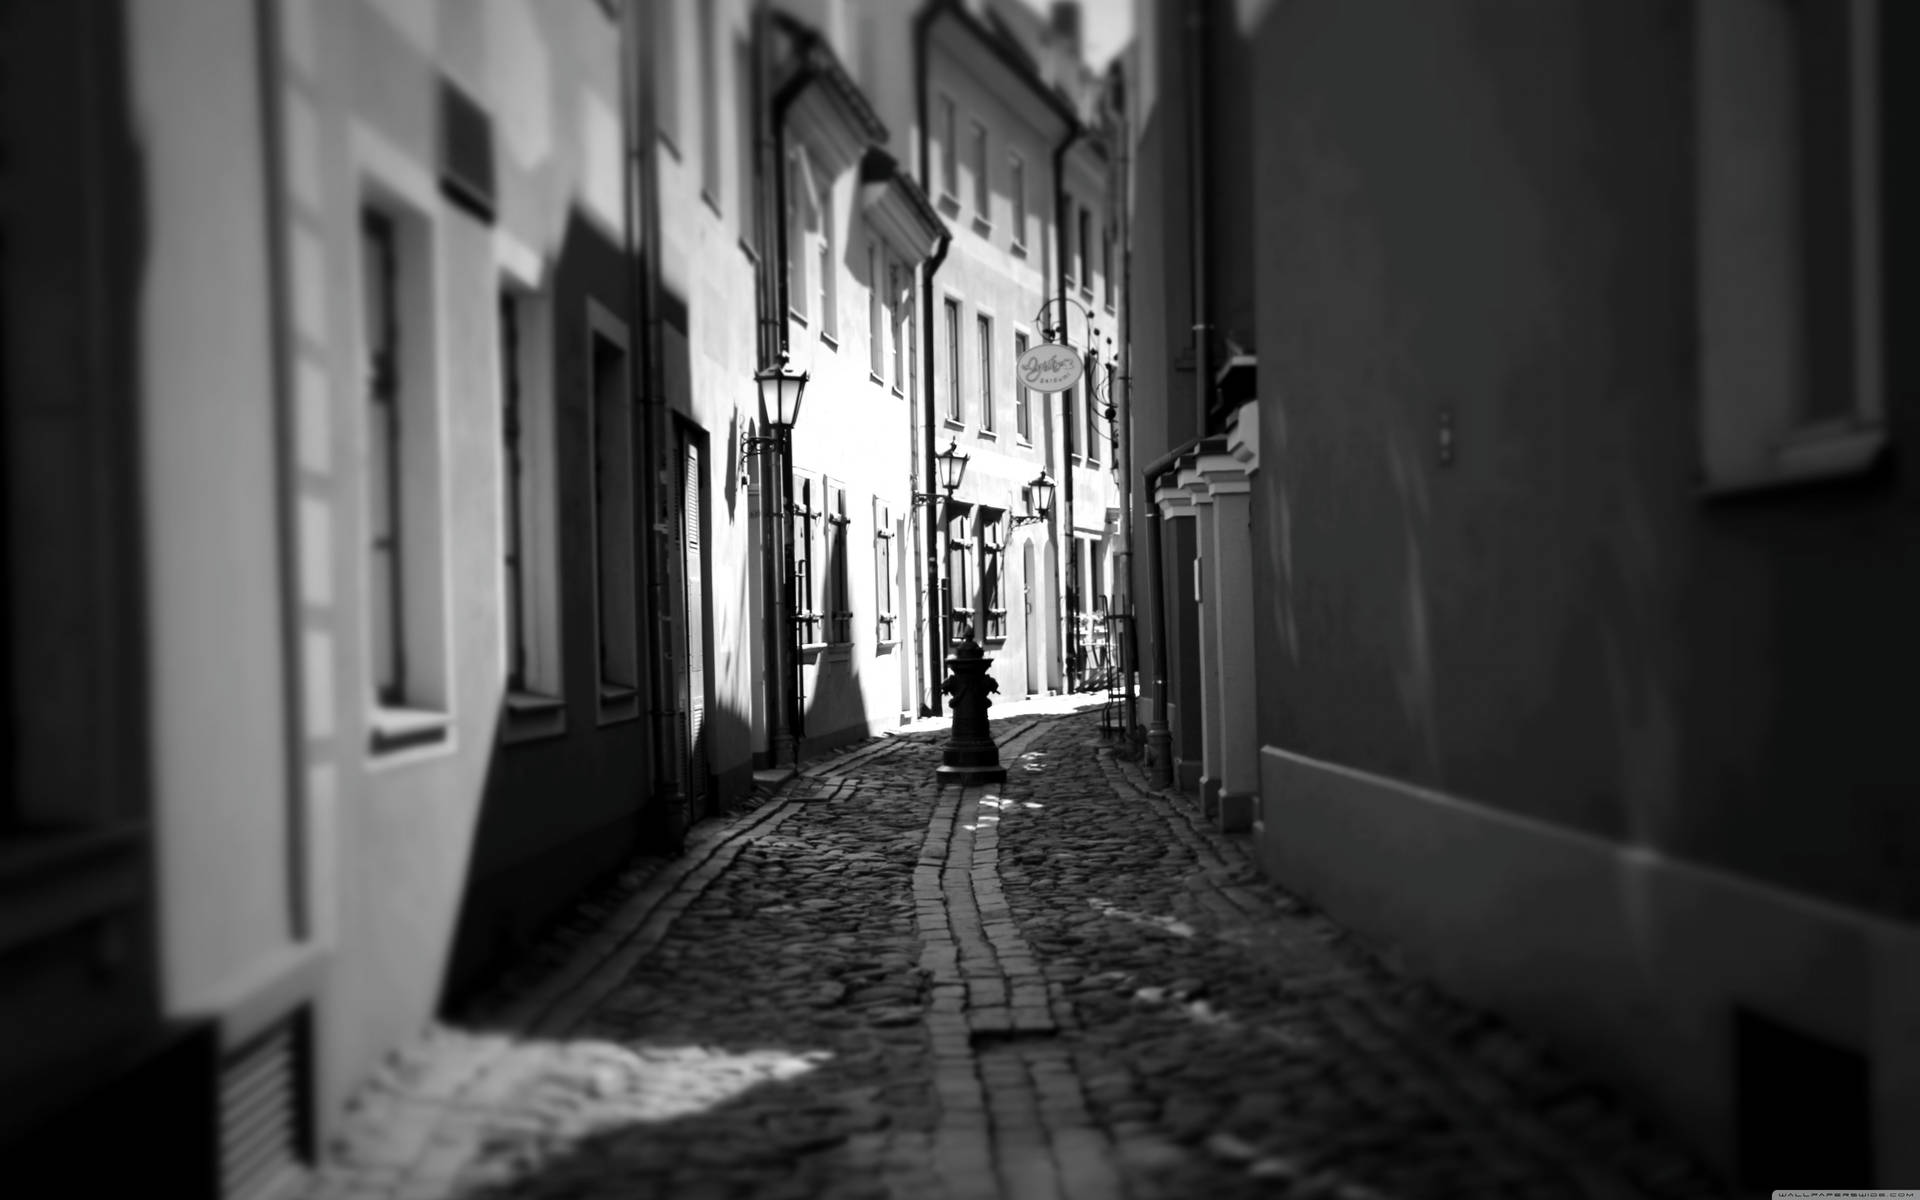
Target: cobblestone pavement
(1066, 987)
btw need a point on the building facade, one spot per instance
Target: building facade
(410, 545)
(1540, 608)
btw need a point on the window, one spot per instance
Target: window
(984, 334)
(1022, 423)
(1071, 269)
(953, 360)
(962, 596)
(805, 522)
(710, 111)
(529, 544)
(949, 149)
(902, 280)
(877, 302)
(404, 529)
(839, 605)
(799, 226)
(514, 485)
(994, 592)
(616, 618)
(1093, 423)
(829, 317)
(387, 598)
(745, 171)
(883, 537)
(1789, 290)
(981, 193)
(1108, 238)
(1017, 185)
(666, 67)
(1083, 257)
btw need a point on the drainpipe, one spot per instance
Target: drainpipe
(790, 727)
(933, 610)
(641, 227)
(1069, 557)
(1198, 241)
(1123, 416)
(1159, 738)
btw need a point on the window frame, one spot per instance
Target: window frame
(809, 623)
(534, 704)
(1084, 251)
(1022, 394)
(414, 717)
(1766, 417)
(949, 150)
(993, 583)
(839, 582)
(983, 336)
(617, 613)
(982, 182)
(710, 110)
(886, 618)
(879, 310)
(955, 411)
(1017, 189)
(829, 266)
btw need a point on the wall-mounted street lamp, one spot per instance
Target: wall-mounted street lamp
(781, 389)
(1039, 501)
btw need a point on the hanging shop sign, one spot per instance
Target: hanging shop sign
(1050, 367)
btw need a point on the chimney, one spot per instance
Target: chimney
(1066, 25)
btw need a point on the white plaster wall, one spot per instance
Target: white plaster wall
(218, 700)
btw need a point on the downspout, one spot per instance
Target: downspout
(1070, 558)
(1159, 737)
(1198, 240)
(933, 610)
(1123, 418)
(642, 220)
(788, 677)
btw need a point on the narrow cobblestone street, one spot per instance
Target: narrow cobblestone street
(1069, 986)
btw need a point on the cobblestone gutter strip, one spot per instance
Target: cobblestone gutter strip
(1013, 1121)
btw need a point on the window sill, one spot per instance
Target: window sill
(876, 379)
(948, 204)
(532, 715)
(983, 227)
(839, 652)
(899, 391)
(1808, 456)
(713, 204)
(829, 341)
(618, 702)
(667, 141)
(988, 434)
(58, 881)
(394, 729)
(886, 645)
(1019, 249)
(954, 423)
(798, 318)
(1023, 441)
(746, 248)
